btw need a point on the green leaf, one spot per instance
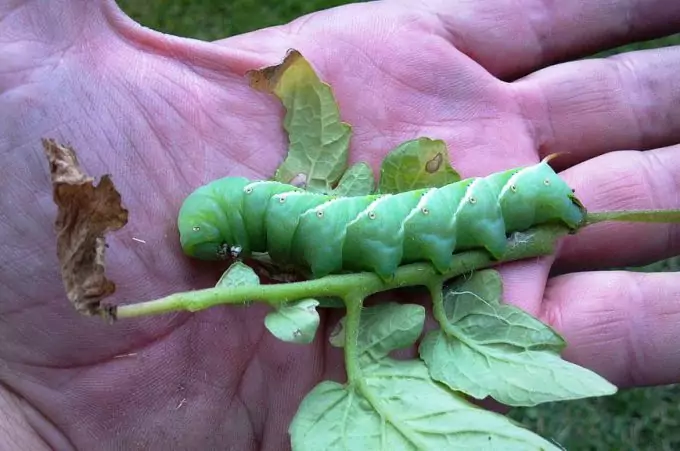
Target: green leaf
(415, 164)
(384, 327)
(319, 140)
(237, 275)
(387, 327)
(486, 348)
(467, 302)
(357, 181)
(396, 405)
(294, 323)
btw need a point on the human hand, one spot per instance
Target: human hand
(164, 115)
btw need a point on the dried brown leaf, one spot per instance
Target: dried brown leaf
(268, 79)
(85, 214)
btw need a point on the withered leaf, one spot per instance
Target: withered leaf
(85, 214)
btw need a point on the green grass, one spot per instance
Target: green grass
(210, 19)
(639, 419)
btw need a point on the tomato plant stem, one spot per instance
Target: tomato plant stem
(664, 216)
(532, 243)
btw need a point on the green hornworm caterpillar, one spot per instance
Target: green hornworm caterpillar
(233, 217)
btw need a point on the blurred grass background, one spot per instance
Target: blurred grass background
(638, 419)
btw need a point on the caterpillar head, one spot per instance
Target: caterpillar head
(558, 201)
(210, 223)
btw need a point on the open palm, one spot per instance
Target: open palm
(164, 115)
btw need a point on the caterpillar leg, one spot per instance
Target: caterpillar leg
(433, 248)
(430, 228)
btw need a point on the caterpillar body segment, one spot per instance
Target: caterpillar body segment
(328, 253)
(375, 238)
(325, 234)
(256, 199)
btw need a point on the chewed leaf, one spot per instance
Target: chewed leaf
(319, 140)
(419, 163)
(294, 323)
(238, 274)
(357, 181)
(86, 213)
(399, 407)
(491, 349)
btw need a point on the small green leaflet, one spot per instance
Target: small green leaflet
(357, 181)
(238, 275)
(493, 349)
(319, 140)
(294, 323)
(396, 405)
(415, 164)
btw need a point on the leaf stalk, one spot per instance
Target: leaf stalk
(536, 242)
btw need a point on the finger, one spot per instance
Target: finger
(524, 282)
(511, 40)
(587, 108)
(624, 181)
(622, 325)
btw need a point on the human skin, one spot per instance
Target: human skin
(164, 115)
